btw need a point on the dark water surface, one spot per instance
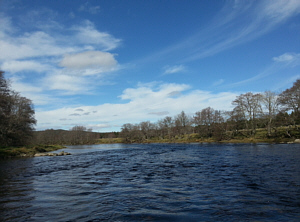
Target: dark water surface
(155, 182)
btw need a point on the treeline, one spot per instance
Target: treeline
(16, 116)
(77, 135)
(268, 110)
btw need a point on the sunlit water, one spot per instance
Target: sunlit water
(155, 182)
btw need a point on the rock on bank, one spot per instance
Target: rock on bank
(62, 153)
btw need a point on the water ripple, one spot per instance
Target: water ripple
(155, 182)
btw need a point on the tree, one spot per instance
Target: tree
(147, 128)
(82, 135)
(290, 100)
(4, 107)
(131, 133)
(16, 116)
(21, 120)
(183, 123)
(165, 125)
(271, 102)
(248, 106)
(209, 122)
(204, 120)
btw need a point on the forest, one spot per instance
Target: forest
(270, 116)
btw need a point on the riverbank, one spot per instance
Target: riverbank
(279, 135)
(192, 139)
(28, 151)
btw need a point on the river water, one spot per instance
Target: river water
(155, 182)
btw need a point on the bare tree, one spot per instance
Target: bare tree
(209, 122)
(204, 120)
(81, 135)
(248, 105)
(183, 123)
(148, 129)
(131, 133)
(271, 102)
(165, 125)
(290, 100)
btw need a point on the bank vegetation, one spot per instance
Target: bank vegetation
(261, 117)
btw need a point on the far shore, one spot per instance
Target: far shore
(197, 140)
(44, 150)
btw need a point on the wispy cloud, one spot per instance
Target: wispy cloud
(87, 34)
(244, 22)
(173, 69)
(288, 58)
(238, 22)
(218, 82)
(87, 7)
(26, 65)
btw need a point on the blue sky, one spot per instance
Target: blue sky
(101, 64)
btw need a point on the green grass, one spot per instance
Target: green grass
(109, 140)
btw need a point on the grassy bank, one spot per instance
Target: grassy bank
(109, 140)
(27, 151)
(278, 135)
(213, 140)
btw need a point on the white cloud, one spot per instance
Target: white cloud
(31, 45)
(89, 59)
(173, 69)
(33, 92)
(67, 84)
(82, 59)
(153, 91)
(88, 34)
(281, 9)
(24, 87)
(146, 102)
(27, 65)
(290, 58)
(49, 42)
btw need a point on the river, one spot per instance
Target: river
(155, 182)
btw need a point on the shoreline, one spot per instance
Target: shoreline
(43, 150)
(30, 151)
